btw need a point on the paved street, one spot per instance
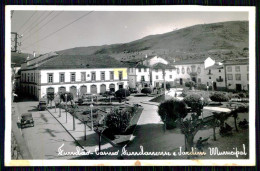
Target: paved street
(47, 135)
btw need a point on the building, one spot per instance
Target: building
(162, 72)
(139, 76)
(237, 74)
(206, 72)
(76, 74)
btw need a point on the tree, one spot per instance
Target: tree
(118, 121)
(190, 84)
(214, 123)
(189, 127)
(69, 97)
(170, 110)
(219, 97)
(146, 90)
(50, 97)
(122, 93)
(194, 101)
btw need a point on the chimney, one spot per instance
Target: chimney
(34, 54)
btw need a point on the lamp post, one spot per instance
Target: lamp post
(66, 108)
(59, 109)
(202, 102)
(91, 106)
(85, 128)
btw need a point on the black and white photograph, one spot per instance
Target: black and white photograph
(119, 86)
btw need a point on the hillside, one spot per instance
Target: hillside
(18, 58)
(220, 40)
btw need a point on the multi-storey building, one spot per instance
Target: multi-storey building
(237, 74)
(77, 74)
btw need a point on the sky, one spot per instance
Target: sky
(46, 31)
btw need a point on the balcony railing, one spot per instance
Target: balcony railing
(219, 79)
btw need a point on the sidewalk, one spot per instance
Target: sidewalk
(92, 138)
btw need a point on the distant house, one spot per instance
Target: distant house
(152, 60)
(161, 72)
(237, 74)
(76, 74)
(139, 76)
(205, 71)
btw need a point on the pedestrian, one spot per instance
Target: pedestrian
(199, 144)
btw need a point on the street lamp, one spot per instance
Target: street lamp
(202, 102)
(91, 106)
(66, 108)
(85, 128)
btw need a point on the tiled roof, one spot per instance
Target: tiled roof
(194, 61)
(162, 66)
(82, 61)
(216, 66)
(236, 61)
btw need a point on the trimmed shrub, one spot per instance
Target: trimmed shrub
(219, 97)
(170, 110)
(146, 90)
(194, 101)
(122, 93)
(201, 86)
(168, 86)
(190, 84)
(118, 121)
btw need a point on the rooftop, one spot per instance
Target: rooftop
(163, 66)
(236, 61)
(81, 61)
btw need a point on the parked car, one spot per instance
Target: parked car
(26, 120)
(133, 90)
(42, 105)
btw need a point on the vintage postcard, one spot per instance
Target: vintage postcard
(132, 85)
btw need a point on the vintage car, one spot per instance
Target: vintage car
(26, 120)
(42, 105)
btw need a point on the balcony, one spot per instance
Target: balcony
(219, 79)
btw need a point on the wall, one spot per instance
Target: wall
(231, 84)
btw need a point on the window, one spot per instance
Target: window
(238, 77)
(199, 80)
(112, 75)
(247, 77)
(142, 78)
(209, 77)
(188, 70)
(83, 76)
(31, 77)
(209, 71)
(219, 70)
(229, 69)
(183, 71)
(139, 69)
(72, 77)
(62, 77)
(102, 76)
(170, 76)
(144, 69)
(193, 68)
(157, 77)
(50, 78)
(230, 76)
(120, 75)
(93, 76)
(178, 71)
(237, 68)
(199, 70)
(247, 68)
